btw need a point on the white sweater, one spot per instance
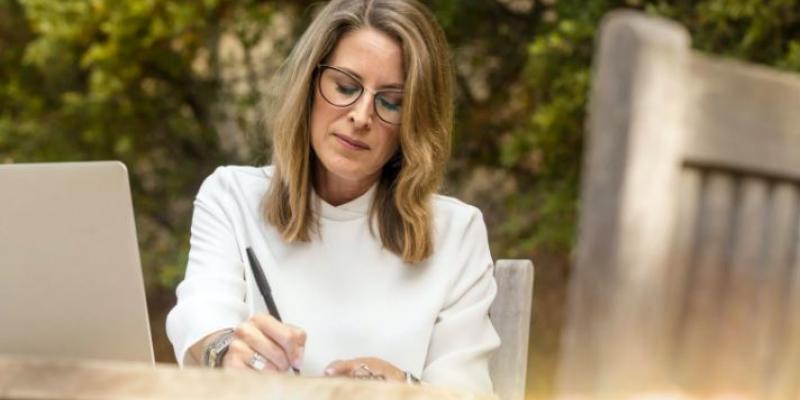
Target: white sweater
(352, 297)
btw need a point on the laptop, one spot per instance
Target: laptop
(71, 281)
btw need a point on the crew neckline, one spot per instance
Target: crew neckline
(353, 209)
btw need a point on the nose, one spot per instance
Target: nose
(361, 112)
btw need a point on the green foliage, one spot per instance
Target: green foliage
(136, 81)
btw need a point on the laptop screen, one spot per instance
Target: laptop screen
(71, 281)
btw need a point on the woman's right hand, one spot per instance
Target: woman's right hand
(281, 345)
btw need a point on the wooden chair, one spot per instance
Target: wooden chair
(511, 315)
(687, 276)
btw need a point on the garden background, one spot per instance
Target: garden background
(176, 88)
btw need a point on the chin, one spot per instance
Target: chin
(347, 168)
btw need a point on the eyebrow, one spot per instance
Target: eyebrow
(354, 73)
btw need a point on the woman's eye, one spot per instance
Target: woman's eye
(347, 89)
(389, 105)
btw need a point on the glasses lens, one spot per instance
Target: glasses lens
(338, 88)
(389, 106)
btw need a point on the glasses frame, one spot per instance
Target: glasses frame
(321, 68)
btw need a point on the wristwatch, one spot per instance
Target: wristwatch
(215, 351)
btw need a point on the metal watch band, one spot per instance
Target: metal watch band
(214, 351)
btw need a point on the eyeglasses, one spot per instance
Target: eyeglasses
(341, 89)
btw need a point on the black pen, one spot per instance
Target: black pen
(263, 287)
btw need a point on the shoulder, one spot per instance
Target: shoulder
(450, 208)
(461, 242)
(453, 218)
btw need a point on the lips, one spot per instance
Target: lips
(352, 143)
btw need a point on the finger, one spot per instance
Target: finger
(265, 346)
(291, 339)
(234, 357)
(234, 363)
(260, 363)
(300, 336)
(231, 359)
(340, 368)
(239, 355)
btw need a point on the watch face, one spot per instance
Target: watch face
(216, 350)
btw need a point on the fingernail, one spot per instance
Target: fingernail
(329, 371)
(298, 361)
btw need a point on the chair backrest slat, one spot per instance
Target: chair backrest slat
(511, 315)
(784, 383)
(742, 116)
(771, 304)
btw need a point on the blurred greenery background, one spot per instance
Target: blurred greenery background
(175, 88)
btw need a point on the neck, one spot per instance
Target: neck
(336, 190)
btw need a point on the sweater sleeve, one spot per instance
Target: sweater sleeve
(463, 337)
(212, 295)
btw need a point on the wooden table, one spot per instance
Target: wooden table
(22, 378)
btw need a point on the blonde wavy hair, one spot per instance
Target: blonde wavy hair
(402, 205)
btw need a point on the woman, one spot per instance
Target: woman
(374, 274)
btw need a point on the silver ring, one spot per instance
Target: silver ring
(257, 362)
